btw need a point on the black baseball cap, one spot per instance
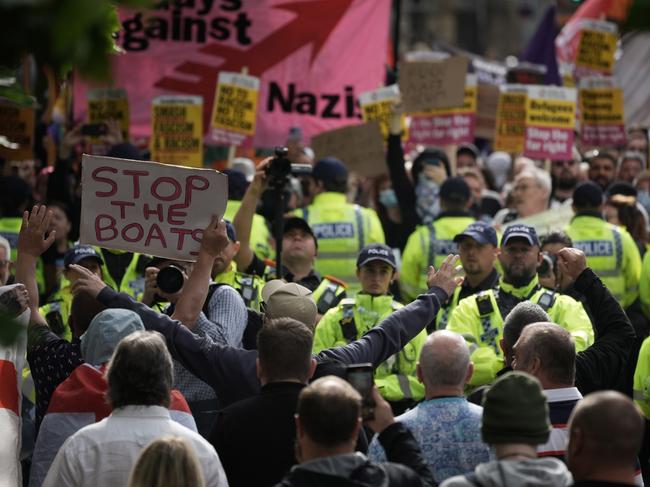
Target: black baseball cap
(587, 195)
(520, 231)
(80, 252)
(481, 232)
(455, 189)
(376, 252)
(329, 169)
(294, 222)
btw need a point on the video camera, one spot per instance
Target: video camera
(280, 168)
(548, 265)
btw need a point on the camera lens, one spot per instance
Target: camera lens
(170, 279)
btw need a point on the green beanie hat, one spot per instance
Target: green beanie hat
(515, 411)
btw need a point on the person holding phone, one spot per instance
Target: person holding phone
(353, 317)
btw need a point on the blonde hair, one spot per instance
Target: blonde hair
(169, 461)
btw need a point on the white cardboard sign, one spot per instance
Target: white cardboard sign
(147, 207)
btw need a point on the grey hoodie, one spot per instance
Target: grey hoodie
(538, 472)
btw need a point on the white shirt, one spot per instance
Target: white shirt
(103, 454)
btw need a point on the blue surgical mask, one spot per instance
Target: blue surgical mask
(643, 197)
(388, 198)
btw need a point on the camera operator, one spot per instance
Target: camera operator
(300, 249)
(223, 317)
(548, 272)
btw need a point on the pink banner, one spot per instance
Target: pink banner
(545, 142)
(603, 135)
(314, 57)
(452, 128)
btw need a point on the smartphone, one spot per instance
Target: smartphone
(94, 129)
(361, 377)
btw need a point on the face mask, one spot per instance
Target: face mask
(388, 198)
(643, 197)
(427, 202)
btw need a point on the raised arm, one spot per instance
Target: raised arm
(243, 221)
(602, 365)
(31, 244)
(195, 290)
(400, 327)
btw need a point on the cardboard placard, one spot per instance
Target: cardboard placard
(235, 108)
(109, 104)
(550, 122)
(596, 48)
(510, 127)
(360, 147)
(17, 131)
(378, 105)
(147, 207)
(486, 110)
(177, 130)
(428, 85)
(601, 113)
(447, 126)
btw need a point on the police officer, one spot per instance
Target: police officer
(478, 249)
(431, 243)
(299, 250)
(260, 236)
(124, 271)
(342, 229)
(479, 318)
(396, 378)
(57, 310)
(224, 271)
(610, 250)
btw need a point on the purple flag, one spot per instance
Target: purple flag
(541, 48)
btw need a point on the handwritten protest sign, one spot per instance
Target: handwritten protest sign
(360, 147)
(109, 104)
(601, 112)
(235, 108)
(486, 110)
(177, 130)
(596, 48)
(446, 126)
(146, 207)
(16, 131)
(428, 85)
(510, 128)
(550, 121)
(378, 105)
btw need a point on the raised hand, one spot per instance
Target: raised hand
(571, 263)
(215, 238)
(446, 278)
(85, 281)
(31, 239)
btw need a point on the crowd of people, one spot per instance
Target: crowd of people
(500, 352)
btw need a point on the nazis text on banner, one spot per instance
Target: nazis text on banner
(177, 130)
(550, 121)
(146, 207)
(313, 58)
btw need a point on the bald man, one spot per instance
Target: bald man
(605, 434)
(547, 351)
(447, 427)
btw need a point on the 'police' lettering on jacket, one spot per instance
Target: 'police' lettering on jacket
(333, 230)
(446, 247)
(595, 248)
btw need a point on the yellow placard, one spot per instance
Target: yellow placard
(380, 111)
(235, 103)
(177, 136)
(601, 106)
(596, 50)
(550, 113)
(510, 129)
(109, 104)
(17, 131)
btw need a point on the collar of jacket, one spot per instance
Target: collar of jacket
(588, 213)
(282, 385)
(329, 197)
(373, 303)
(520, 292)
(227, 276)
(489, 282)
(452, 213)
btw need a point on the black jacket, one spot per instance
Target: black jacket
(255, 437)
(602, 365)
(405, 466)
(231, 371)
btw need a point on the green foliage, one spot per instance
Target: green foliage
(62, 34)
